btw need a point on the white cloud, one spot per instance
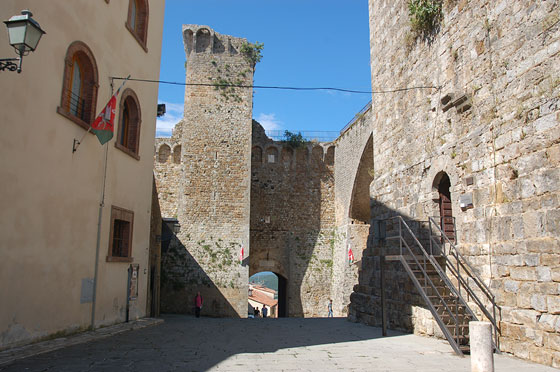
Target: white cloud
(166, 123)
(269, 121)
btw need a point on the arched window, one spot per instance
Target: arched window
(317, 153)
(137, 22)
(79, 86)
(164, 152)
(302, 156)
(329, 157)
(177, 154)
(202, 40)
(272, 155)
(75, 87)
(287, 156)
(256, 155)
(128, 137)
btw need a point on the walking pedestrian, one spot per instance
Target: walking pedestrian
(264, 311)
(330, 315)
(197, 304)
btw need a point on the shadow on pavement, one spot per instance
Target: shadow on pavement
(185, 343)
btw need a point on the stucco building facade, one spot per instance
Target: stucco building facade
(70, 227)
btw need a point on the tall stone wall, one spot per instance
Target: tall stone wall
(209, 190)
(292, 219)
(168, 172)
(497, 138)
(351, 150)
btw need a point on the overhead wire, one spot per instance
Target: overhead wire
(216, 85)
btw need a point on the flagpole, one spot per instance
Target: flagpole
(100, 220)
(98, 243)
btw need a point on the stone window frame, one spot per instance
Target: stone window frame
(119, 215)
(79, 52)
(141, 17)
(132, 147)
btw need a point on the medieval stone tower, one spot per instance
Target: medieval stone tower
(211, 197)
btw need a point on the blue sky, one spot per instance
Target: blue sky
(307, 43)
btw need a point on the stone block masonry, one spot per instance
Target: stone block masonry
(208, 189)
(483, 146)
(293, 230)
(493, 129)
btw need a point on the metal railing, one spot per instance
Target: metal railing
(76, 106)
(319, 136)
(462, 265)
(407, 256)
(356, 117)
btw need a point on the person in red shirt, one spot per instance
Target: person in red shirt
(197, 304)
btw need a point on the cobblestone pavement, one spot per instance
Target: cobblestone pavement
(184, 343)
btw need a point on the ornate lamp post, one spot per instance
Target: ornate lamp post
(24, 33)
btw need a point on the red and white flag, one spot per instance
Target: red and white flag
(350, 254)
(103, 126)
(241, 254)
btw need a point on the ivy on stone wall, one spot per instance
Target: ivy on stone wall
(425, 17)
(252, 52)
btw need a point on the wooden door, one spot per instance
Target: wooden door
(445, 209)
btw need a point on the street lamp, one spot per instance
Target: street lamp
(24, 33)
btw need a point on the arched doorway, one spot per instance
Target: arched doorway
(443, 186)
(268, 289)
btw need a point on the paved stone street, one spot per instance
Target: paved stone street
(184, 343)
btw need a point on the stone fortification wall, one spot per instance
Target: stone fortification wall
(493, 128)
(168, 172)
(292, 219)
(212, 193)
(350, 148)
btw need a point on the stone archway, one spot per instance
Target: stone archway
(260, 266)
(360, 210)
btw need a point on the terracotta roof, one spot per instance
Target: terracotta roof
(263, 299)
(263, 288)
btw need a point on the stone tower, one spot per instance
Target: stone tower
(214, 190)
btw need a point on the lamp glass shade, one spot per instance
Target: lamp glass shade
(16, 32)
(32, 36)
(24, 32)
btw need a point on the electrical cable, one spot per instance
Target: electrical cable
(278, 87)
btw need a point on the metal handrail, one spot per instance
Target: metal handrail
(462, 262)
(472, 293)
(429, 280)
(439, 270)
(459, 255)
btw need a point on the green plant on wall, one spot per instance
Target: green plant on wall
(294, 140)
(252, 52)
(425, 16)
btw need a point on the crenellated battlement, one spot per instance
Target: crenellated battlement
(203, 39)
